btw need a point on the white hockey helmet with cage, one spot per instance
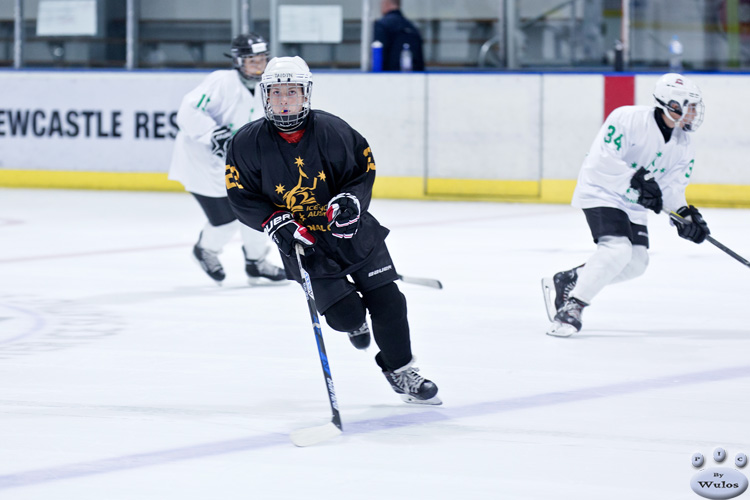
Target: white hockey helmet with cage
(292, 73)
(676, 93)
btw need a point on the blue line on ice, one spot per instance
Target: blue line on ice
(433, 414)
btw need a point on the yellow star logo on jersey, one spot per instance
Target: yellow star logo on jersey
(322, 176)
(298, 161)
(280, 189)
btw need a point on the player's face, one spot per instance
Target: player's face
(286, 98)
(254, 64)
(690, 113)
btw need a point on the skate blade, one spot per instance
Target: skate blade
(561, 330)
(547, 288)
(314, 435)
(412, 400)
(266, 282)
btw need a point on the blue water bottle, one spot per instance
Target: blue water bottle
(377, 56)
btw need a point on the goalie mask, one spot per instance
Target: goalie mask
(286, 85)
(249, 55)
(675, 93)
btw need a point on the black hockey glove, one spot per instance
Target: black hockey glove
(649, 191)
(343, 215)
(285, 232)
(220, 141)
(694, 228)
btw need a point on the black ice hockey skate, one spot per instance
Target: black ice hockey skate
(209, 262)
(262, 272)
(568, 318)
(563, 283)
(410, 385)
(360, 338)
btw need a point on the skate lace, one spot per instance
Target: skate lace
(360, 331)
(409, 380)
(569, 286)
(262, 268)
(210, 260)
(572, 309)
(570, 279)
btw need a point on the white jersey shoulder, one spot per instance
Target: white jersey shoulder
(220, 100)
(629, 139)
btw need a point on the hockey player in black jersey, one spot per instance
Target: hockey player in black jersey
(305, 177)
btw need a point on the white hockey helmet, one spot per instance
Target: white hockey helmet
(676, 93)
(290, 73)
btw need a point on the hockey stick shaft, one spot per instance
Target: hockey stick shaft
(307, 287)
(681, 220)
(432, 283)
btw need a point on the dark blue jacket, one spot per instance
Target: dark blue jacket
(393, 30)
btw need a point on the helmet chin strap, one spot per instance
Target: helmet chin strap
(668, 116)
(247, 82)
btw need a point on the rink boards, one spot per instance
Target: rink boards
(505, 136)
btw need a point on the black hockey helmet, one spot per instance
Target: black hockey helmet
(248, 45)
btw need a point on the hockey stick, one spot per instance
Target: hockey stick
(314, 435)
(432, 283)
(681, 220)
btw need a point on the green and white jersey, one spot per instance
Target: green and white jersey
(628, 140)
(221, 99)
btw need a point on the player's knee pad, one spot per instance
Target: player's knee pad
(347, 314)
(636, 266)
(385, 301)
(613, 253)
(638, 262)
(617, 251)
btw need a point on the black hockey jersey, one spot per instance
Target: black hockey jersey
(265, 173)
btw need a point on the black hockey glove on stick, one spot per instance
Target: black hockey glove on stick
(314, 435)
(680, 220)
(220, 141)
(692, 226)
(343, 215)
(285, 232)
(649, 192)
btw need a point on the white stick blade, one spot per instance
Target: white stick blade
(432, 283)
(314, 435)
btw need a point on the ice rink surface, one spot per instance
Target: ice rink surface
(126, 374)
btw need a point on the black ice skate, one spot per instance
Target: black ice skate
(360, 338)
(209, 262)
(262, 272)
(568, 318)
(410, 385)
(563, 283)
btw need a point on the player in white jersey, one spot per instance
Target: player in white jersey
(208, 117)
(641, 159)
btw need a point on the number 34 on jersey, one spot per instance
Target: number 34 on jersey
(610, 137)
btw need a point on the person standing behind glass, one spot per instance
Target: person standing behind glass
(400, 38)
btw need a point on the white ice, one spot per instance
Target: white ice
(126, 374)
